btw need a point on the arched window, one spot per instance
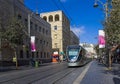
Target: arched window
(57, 17)
(50, 18)
(45, 18)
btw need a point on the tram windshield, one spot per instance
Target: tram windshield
(73, 54)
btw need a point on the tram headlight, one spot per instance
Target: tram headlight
(74, 59)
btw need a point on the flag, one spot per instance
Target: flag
(33, 48)
(101, 39)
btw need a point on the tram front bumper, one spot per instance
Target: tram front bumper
(74, 64)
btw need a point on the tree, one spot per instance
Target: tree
(112, 27)
(14, 34)
(97, 49)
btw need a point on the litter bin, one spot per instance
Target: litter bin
(36, 64)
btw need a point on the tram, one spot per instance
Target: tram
(76, 55)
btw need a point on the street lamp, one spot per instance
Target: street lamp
(105, 9)
(29, 32)
(29, 18)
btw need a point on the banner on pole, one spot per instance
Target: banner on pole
(33, 48)
(101, 39)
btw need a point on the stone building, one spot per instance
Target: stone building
(60, 29)
(74, 39)
(38, 28)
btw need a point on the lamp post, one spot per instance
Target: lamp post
(29, 32)
(105, 9)
(29, 18)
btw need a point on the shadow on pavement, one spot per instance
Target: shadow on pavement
(12, 68)
(6, 70)
(116, 71)
(116, 80)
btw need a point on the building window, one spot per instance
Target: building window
(19, 17)
(31, 25)
(37, 55)
(27, 54)
(39, 29)
(21, 53)
(32, 54)
(55, 36)
(57, 17)
(37, 40)
(26, 22)
(45, 18)
(47, 54)
(56, 44)
(40, 41)
(41, 54)
(43, 30)
(55, 27)
(44, 55)
(46, 32)
(47, 44)
(35, 27)
(50, 18)
(44, 43)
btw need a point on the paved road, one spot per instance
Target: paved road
(92, 73)
(51, 74)
(100, 74)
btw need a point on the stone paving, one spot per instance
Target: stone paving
(100, 74)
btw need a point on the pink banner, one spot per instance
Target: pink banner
(33, 48)
(101, 39)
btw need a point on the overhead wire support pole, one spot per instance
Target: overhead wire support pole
(106, 10)
(29, 32)
(29, 24)
(29, 18)
(105, 7)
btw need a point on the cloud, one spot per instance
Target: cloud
(78, 30)
(63, 0)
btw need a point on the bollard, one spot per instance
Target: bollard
(36, 64)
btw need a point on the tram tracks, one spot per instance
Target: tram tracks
(53, 79)
(15, 76)
(44, 75)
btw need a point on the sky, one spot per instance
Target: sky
(85, 20)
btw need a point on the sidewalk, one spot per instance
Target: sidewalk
(26, 67)
(99, 74)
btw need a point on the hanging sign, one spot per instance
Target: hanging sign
(33, 48)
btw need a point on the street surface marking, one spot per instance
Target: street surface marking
(79, 79)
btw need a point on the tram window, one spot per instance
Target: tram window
(80, 55)
(81, 52)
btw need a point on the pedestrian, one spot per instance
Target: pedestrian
(61, 58)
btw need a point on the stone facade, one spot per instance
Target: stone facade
(60, 29)
(38, 28)
(74, 39)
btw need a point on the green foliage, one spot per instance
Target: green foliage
(112, 27)
(14, 32)
(97, 48)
